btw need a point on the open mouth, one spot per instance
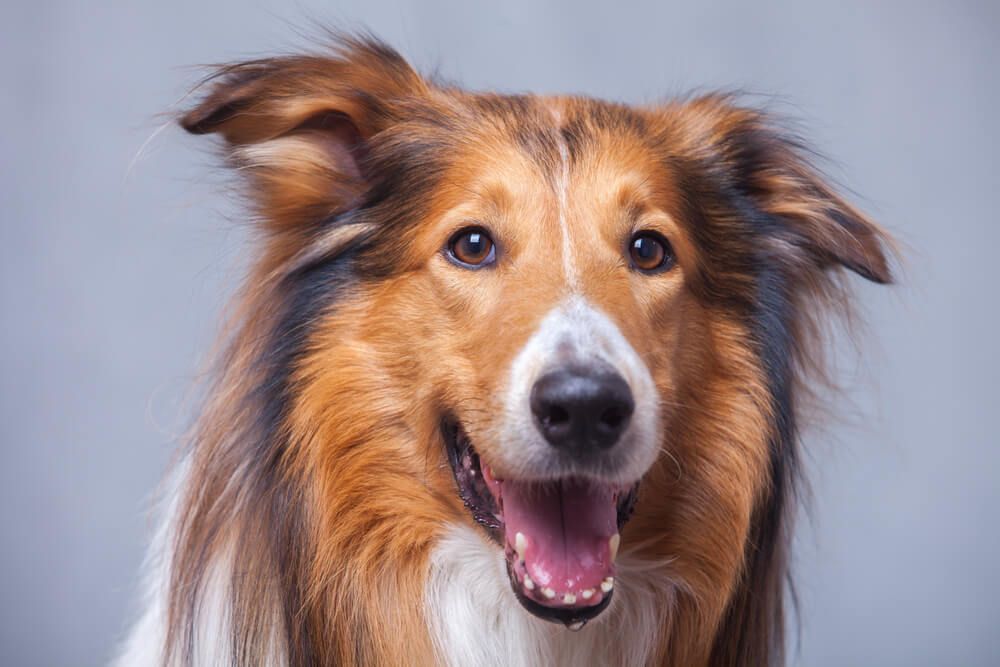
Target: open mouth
(560, 536)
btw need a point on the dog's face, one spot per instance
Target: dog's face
(554, 279)
(568, 316)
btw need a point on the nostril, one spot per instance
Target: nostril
(612, 418)
(556, 416)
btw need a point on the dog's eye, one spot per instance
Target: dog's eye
(650, 252)
(472, 248)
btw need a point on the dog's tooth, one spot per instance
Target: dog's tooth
(569, 598)
(587, 594)
(548, 593)
(575, 626)
(528, 583)
(608, 584)
(520, 544)
(613, 545)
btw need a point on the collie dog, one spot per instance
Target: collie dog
(513, 379)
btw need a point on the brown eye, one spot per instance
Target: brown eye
(650, 252)
(472, 248)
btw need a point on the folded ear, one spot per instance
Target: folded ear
(299, 126)
(772, 168)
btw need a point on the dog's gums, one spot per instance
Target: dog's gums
(560, 536)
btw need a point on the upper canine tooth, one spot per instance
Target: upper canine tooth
(608, 584)
(569, 598)
(520, 544)
(613, 545)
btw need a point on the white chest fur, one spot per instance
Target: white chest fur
(476, 620)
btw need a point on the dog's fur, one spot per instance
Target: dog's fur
(315, 518)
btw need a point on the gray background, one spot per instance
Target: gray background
(115, 261)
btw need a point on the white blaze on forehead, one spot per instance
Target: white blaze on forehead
(562, 188)
(577, 333)
(562, 196)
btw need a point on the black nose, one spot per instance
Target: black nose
(582, 408)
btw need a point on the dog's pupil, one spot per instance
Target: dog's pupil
(647, 252)
(474, 247)
(474, 244)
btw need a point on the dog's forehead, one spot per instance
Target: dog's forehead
(551, 130)
(571, 152)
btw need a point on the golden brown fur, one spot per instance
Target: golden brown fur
(319, 466)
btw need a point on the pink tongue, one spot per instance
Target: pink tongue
(567, 526)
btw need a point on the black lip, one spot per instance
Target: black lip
(476, 498)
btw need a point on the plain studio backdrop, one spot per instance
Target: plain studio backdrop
(119, 251)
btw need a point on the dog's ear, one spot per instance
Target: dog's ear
(771, 167)
(299, 126)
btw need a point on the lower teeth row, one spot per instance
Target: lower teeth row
(569, 598)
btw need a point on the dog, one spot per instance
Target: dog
(513, 379)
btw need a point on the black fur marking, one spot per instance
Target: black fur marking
(304, 296)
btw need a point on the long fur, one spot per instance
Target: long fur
(314, 519)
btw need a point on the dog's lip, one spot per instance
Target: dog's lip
(585, 585)
(472, 486)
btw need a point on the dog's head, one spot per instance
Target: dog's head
(578, 319)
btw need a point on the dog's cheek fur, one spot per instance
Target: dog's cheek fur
(362, 466)
(389, 348)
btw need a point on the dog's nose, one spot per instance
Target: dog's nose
(582, 409)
